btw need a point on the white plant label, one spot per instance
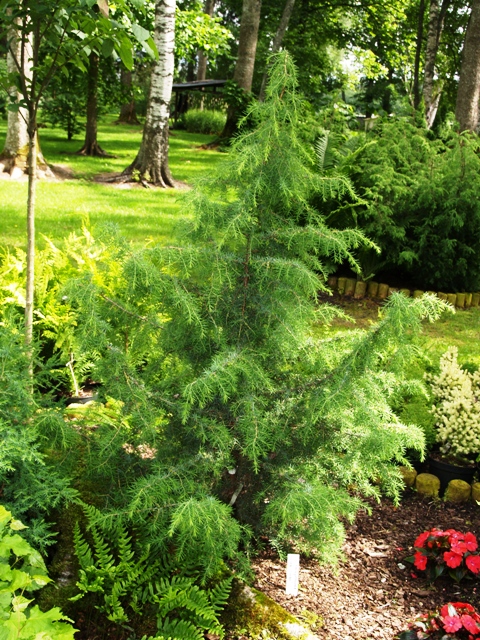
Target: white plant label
(293, 570)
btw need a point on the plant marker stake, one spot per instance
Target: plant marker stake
(293, 570)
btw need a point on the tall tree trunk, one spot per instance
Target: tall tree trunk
(468, 95)
(128, 114)
(202, 58)
(247, 48)
(152, 159)
(277, 41)
(15, 154)
(418, 55)
(432, 92)
(91, 146)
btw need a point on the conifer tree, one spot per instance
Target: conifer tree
(234, 412)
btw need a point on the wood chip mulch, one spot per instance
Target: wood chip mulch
(374, 593)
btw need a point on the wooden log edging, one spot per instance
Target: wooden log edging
(359, 289)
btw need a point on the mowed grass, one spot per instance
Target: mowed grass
(460, 329)
(142, 215)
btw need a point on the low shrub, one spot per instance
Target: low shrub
(457, 408)
(417, 204)
(23, 570)
(437, 551)
(205, 121)
(453, 620)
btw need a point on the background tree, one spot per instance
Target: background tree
(91, 146)
(128, 113)
(432, 94)
(202, 57)
(245, 63)
(151, 162)
(466, 110)
(68, 29)
(14, 157)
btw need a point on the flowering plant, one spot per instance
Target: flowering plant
(437, 550)
(455, 620)
(456, 395)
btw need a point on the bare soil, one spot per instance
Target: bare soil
(374, 592)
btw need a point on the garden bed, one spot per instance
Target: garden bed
(371, 595)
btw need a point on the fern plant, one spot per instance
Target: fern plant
(130, 581)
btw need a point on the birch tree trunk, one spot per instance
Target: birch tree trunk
(277, 41)
(432, 91)
(247, 48)
(418, 55)
(15, 154)
(152, 159)
(468, 95)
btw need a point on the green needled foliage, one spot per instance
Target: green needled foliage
(222, 413)
(228, 410)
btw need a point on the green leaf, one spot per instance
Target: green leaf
(141, 34)
(20, 580)
(5, 516)
(16, 525)
(19, 603)
(125, 53)
(107, 48)
(18, 545)
(151, 48)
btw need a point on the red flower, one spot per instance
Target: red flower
(444, 611)
(458, 547)
(470, 624)
(471, 541)
(452, 560)
(421, 539)
(451, 624)
(462, 607)
(420, 561)
(473, 563)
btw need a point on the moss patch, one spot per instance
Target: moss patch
(251, 613)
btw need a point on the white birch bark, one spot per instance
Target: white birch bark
(15, 154)
(14, 157)
(432, 90)
(152, 159)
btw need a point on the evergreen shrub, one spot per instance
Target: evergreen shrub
(208, 348)
(221, 414)
(417, 202)
(204, 121)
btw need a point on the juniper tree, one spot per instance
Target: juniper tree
(229, 408)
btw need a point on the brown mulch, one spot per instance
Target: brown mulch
(374, 592)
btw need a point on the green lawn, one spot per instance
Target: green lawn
(141, 214)
(460, 329)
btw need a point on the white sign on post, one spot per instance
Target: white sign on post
(293, 570)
